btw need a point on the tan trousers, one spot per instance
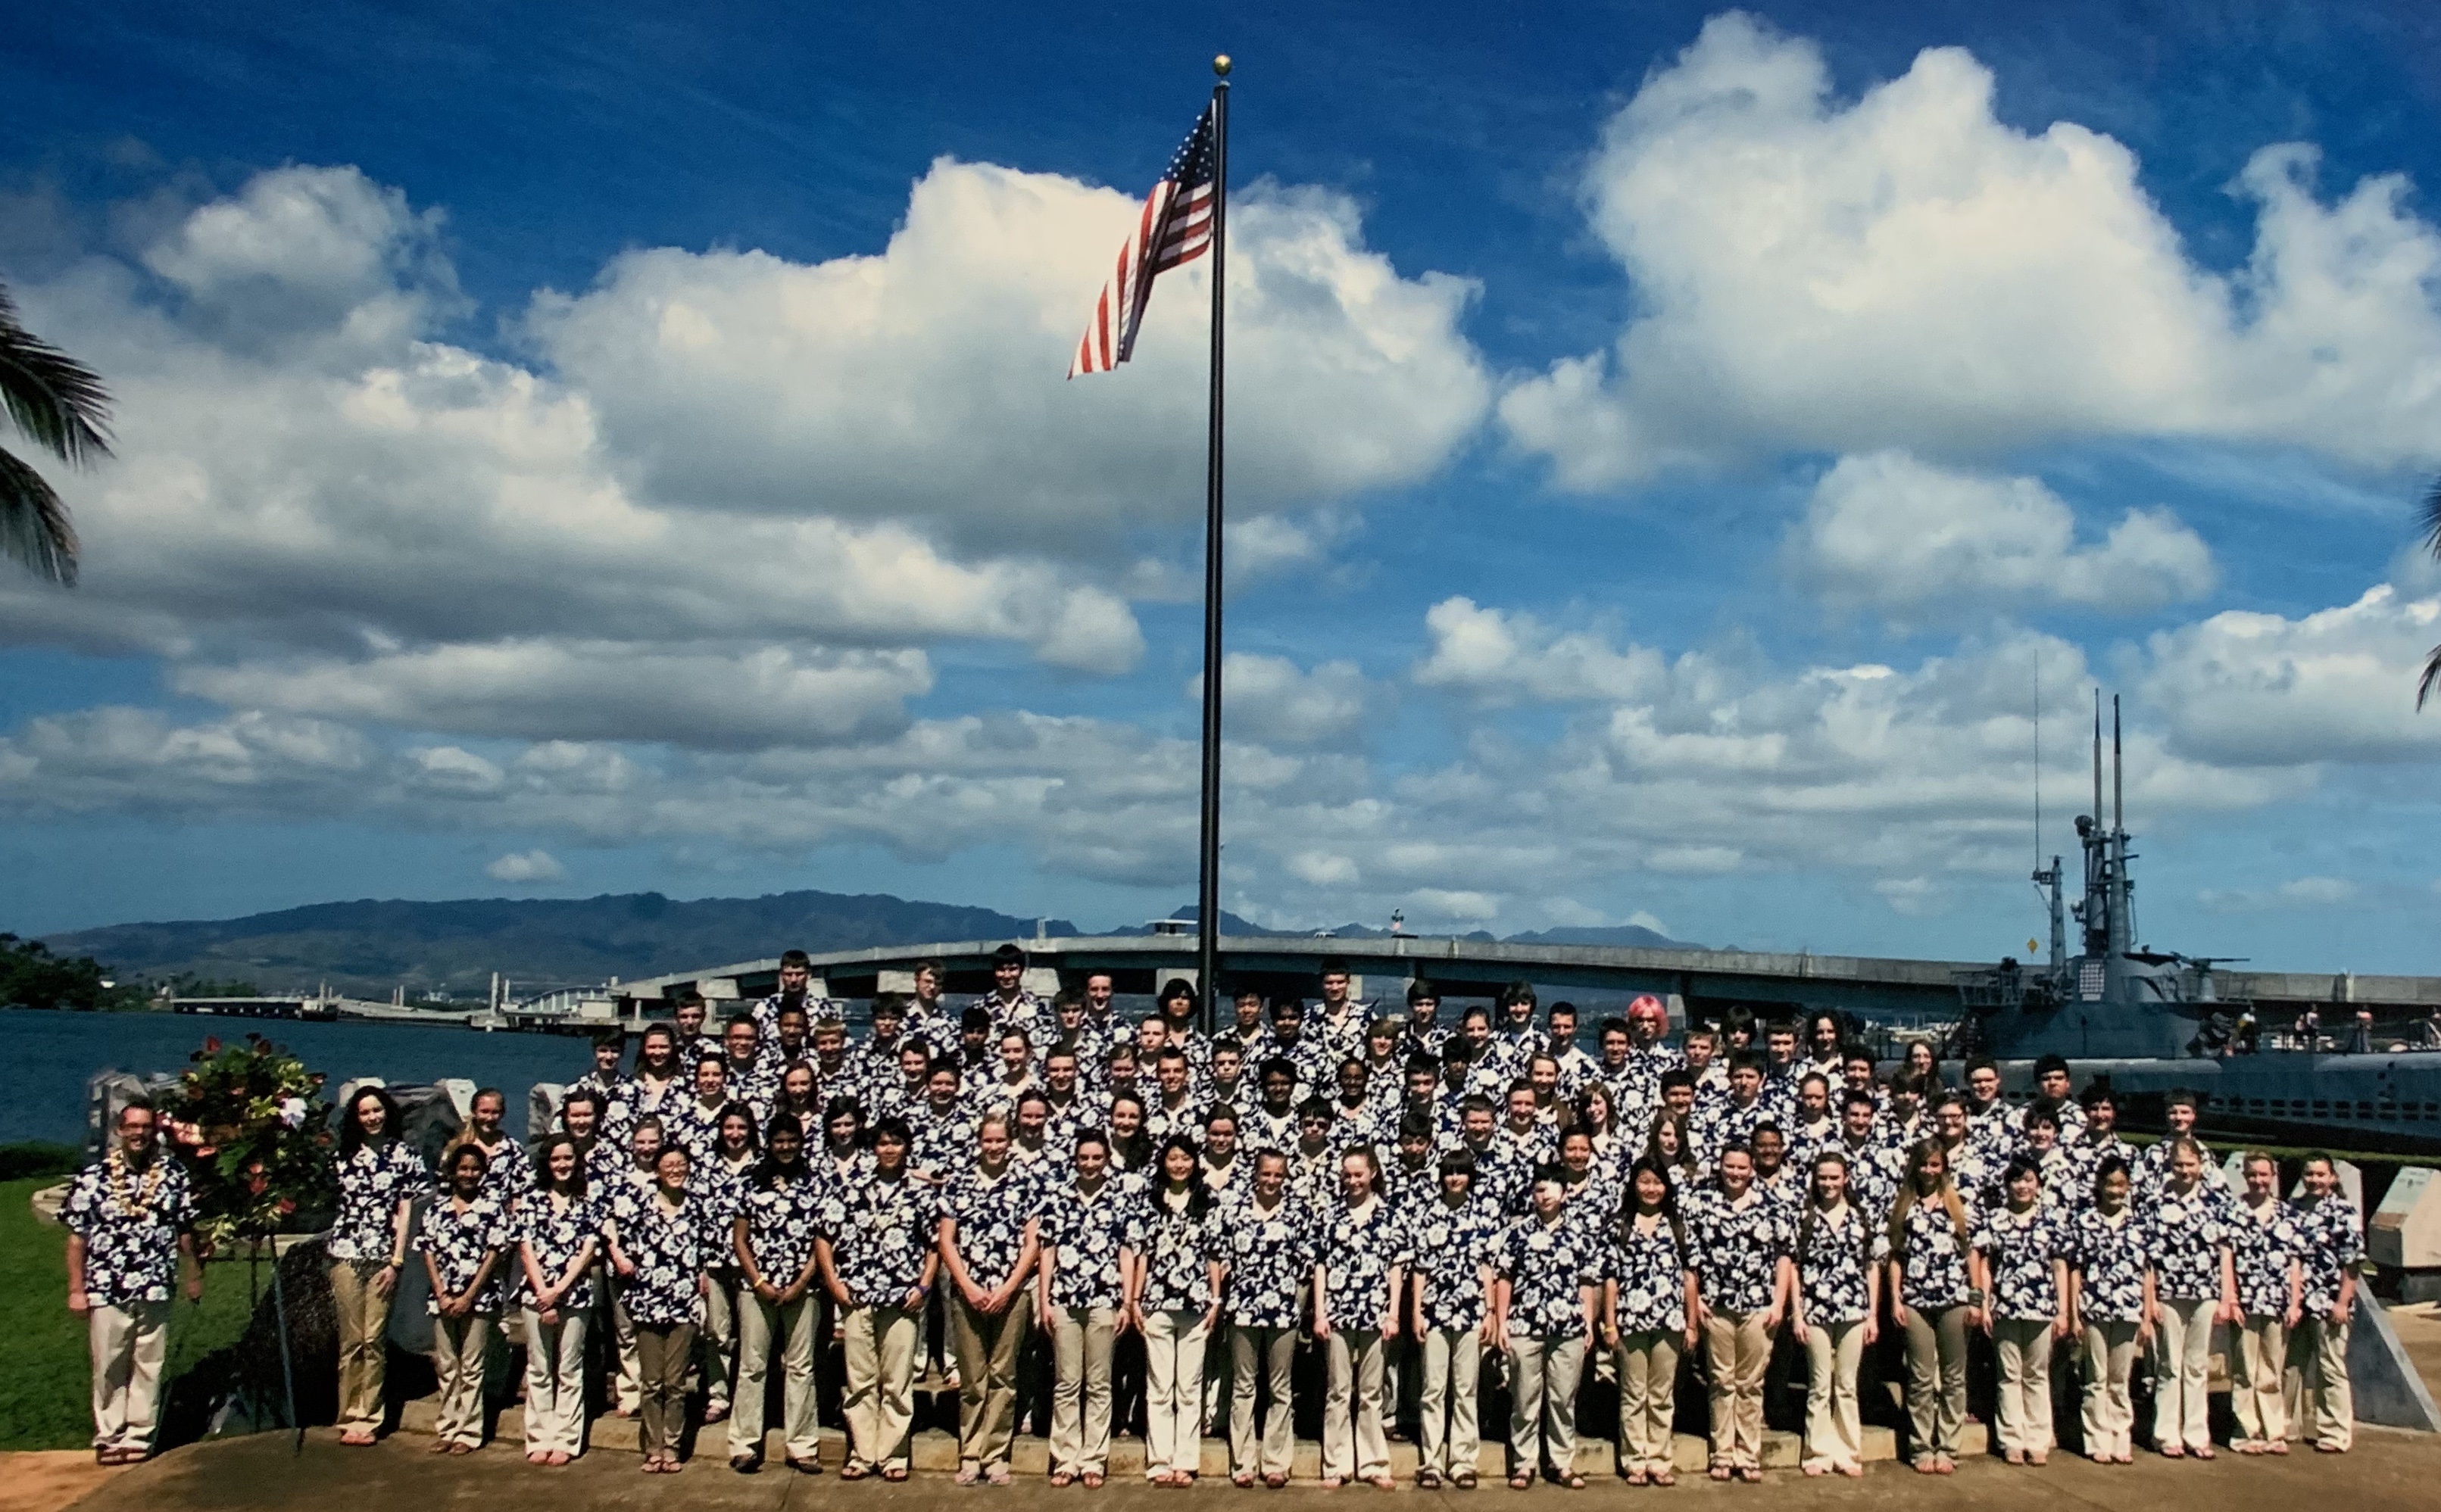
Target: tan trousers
(662, 1354)
(988, 1348)
(1736, 1353)
(880, 1398)
(1450, 1443)
(364, 1326)
(461, 1347)
(764, 1329)
(1834, 1432)
(716, 1341)
(1273, 1351)
(1173, 1392)
(1353, 1441)
(1936, 1360)
(2024, 1347)
(128, 1345)
(2257, 1361)
(628, 1386)
(556, 1383)
(2320, 1400)
(2109, 1359)
(1543, 1375)
(1080, 1390)
(2182, 1373)
(1646, 1365)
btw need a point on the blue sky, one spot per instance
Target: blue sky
(576, 451)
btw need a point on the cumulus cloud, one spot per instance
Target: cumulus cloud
(527, 867)
(1888, 532)
(1496, 656)
(2246, 689)
(2298, 893)
(1273, 700)
(1906, 270)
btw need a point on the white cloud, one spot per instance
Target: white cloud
(1913, 897)
(1646, 921)
(1497, 657)
(527, 866)
(1906, 270)
(1322, 869)
(1890, 532)
(1271, 700)
(2245, 688)
(2299, 892)
(1463, 906)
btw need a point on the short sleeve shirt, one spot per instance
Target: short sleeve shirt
(1179, 1250)
(1088, 1232)
(130, 1229)
(1833, 1254)
(2327, 1226)
(991, 1213)
(1736, 1247)
(782, 1213)
(1271, 1257)
(882, 1232)
(2263, 1247)
(1546, 1265)
(1931, 1252)
(1447, 1250)
(556, 1230)
(2109, 1255)
(2186, 1234)
(2020, 1248)
(1359, 1246)
(459, 1241)
(372, 1182)
(669, 1252)
(1649, 1269)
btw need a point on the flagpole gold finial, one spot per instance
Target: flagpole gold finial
(1220, 65)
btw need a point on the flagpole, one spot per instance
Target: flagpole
(1207, 897)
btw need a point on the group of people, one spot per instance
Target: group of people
(1405, 1198)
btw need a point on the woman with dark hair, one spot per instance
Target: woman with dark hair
(1545, 1310)
(844, 1148)
(1840, 1253)
(1924, 1064)
(1176, 1264)
(2105, 1299)
(1931, 1228)
(800, 1093)
(875, 1244)
(2023, 1249)
(737, 1151)
(1648, 1312)
(1130, 1149)
(1738, 1242)
(1825, 1039)
(660, 1083)
(462, 1239)
(773, 1234)
(661, 1242)
(379, 1175)
(560, 1232)
(1596, 1111)
(1670, 1145)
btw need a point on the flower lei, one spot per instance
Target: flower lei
(133, 1203)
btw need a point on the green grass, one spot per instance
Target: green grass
(46, 1399)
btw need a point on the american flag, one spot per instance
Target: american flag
(1175, 227)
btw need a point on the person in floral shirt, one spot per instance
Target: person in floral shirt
(1739, 1241)
(1079, 1291)
(130, 1218)
(990, 1238)
(462, 1239)
(2319, 1399)
(559, 1230)
(1649, 1317)
(1839, 1252)
(722, 1186)
(1545, 1306)
(1177, 1265)
(2266, 1254)
(875, 1244)
(1359, 1269)
(662, 1240)
(2021, 1251)
(1450, 1241)
(1270, 1251)
(775, 1223)
(380, 1176)
(1932, 1229)
(2190, 1287)
(2106, 1269)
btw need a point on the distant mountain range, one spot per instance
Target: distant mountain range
(366, 948)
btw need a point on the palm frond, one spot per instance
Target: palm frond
(2427, 518)
(35, 528)
(54, 398)
(2431, 679)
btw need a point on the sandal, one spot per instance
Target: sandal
(850, 1471)
(1926, 1465)
(1061, 1478)
(1274, 1483)
(2174, 1452)
(1091, 1480)
(1333, 1483)
(1943, 1465)
(461, 1448)
(1381, 1482)
(894, 1473)
(1720, 1472)
(1464, 1480)
(1428, 1478)
(1664, 1478)
(1573, 1481)
(1750, 1475)
(2204, 1451)
(1523, 1480)
(2278, 1446)
(1635, 1477)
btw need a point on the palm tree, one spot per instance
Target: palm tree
(2429, 516)
(60, 402)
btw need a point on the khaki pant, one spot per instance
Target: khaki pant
(2257, 1360)
(1736, 1354)
(764, 1328)
(1450, 1441)
(628, 1386)
(662, 1354)
(1936, 1360)
(1543, 1375)
(2319, 1398)
(1217, 1351)
(556, 1383)
(1834, 1432)
(1080, 1390)
(2109, 1416)
(716, 1342)
(460, 1348)
(128, 1343)
(988, 1348)
(364, 1344)
(1273, 1351)
(1173, 1392)
(2182, 1373)
(2024, 1347)
(1646, 1365)
(880, 1398)
(1352, 1440)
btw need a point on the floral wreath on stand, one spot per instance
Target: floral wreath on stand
(249, 1125)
